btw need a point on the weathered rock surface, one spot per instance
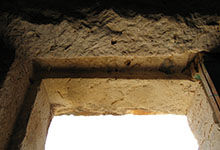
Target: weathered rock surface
(201, 121)
(97, 30)
(137, 35)
(97, 96)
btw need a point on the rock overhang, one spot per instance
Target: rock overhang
(112, 38)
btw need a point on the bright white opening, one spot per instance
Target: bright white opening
(128, 132)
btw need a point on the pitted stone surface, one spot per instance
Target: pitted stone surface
(107, 33)
(140, 35)
(96, 96)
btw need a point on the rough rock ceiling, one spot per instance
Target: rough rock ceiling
(68, 29)
(91, 28)
(63, 30)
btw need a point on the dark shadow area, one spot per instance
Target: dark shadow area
(7, 55)
(212, 64)
(62, 73)
(110, 72)
(79, 9)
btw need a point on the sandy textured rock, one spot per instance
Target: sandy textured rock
(201, 121)
(119, 96)
(98, 28)
(108, 33)
(38, 123)
(12, 96)
(110, 37)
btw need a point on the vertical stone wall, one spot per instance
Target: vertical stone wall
(12, 95)
(200, 117)
(38, 123)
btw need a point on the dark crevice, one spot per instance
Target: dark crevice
(212, 63)
(6, 58)
(213, 23)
